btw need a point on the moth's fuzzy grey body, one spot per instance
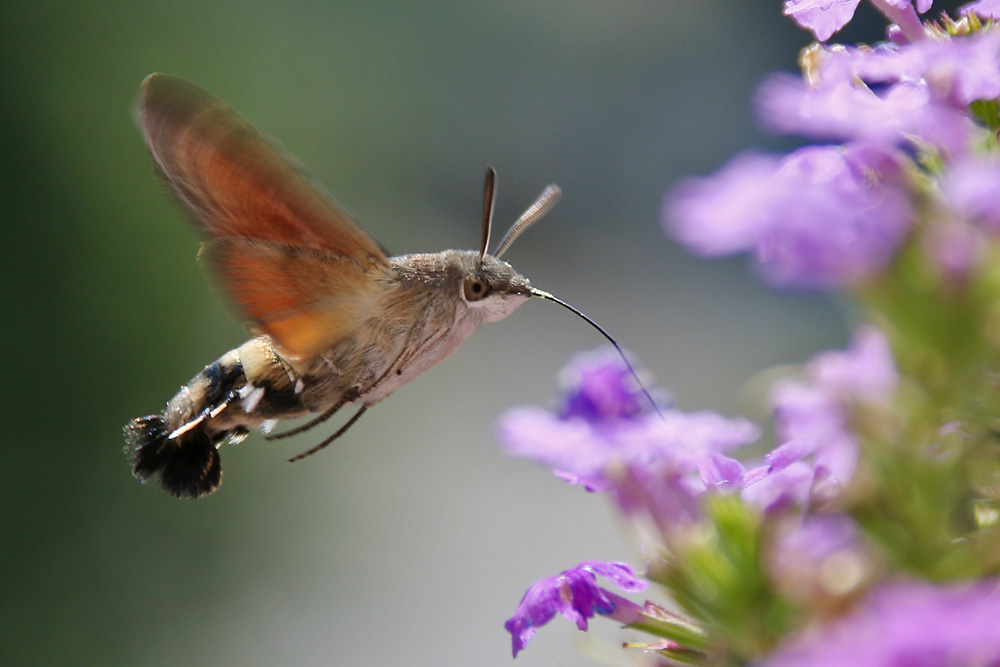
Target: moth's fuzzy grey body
(340, 322)
(420, 316)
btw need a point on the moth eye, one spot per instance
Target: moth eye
(474, 288)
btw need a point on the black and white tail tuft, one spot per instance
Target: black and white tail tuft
(188, 464)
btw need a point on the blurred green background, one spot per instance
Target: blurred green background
(410, 541)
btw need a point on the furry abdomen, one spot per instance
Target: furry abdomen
(231, 396)
(415, 323)
(254, 385)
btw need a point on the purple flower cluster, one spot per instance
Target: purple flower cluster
(823, 547)
(818, 218)
(661, 466)
(831, 216)
(604, 435)
(605, 439)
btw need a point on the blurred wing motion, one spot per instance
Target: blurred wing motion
(298, 267)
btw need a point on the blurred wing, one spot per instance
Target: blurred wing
(305, 298)
(293, 261)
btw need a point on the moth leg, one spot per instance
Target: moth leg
(350, 395)
(340, 432)
(210, 412)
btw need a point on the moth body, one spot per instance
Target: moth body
(425, 306)
(336, 322)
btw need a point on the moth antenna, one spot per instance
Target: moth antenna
(489, 196)
(548, 297)
(542, 205)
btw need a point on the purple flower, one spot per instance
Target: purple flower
(655, 464)
(722, 472)
(604, 423)
(970, 186)
(906, 623)
(987, 9)
(792, 485)
(813, 416)
(582, 452)
(916, 93)
(821, 17)
(575, 594)
(865, 370)
(821, 217)
(900, 12)
(844, 110)
(669, 498)
(817, 560)
(717, 215)
(810, 422)
(598, 387)
(958, 70)
(825, 17)
(961, 69)
(955, 247)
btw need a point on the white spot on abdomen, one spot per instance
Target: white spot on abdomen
(250, 395)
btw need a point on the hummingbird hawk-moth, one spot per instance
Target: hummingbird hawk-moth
(336, 322)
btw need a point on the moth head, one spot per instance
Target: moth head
(492, 287)
(489, 284)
